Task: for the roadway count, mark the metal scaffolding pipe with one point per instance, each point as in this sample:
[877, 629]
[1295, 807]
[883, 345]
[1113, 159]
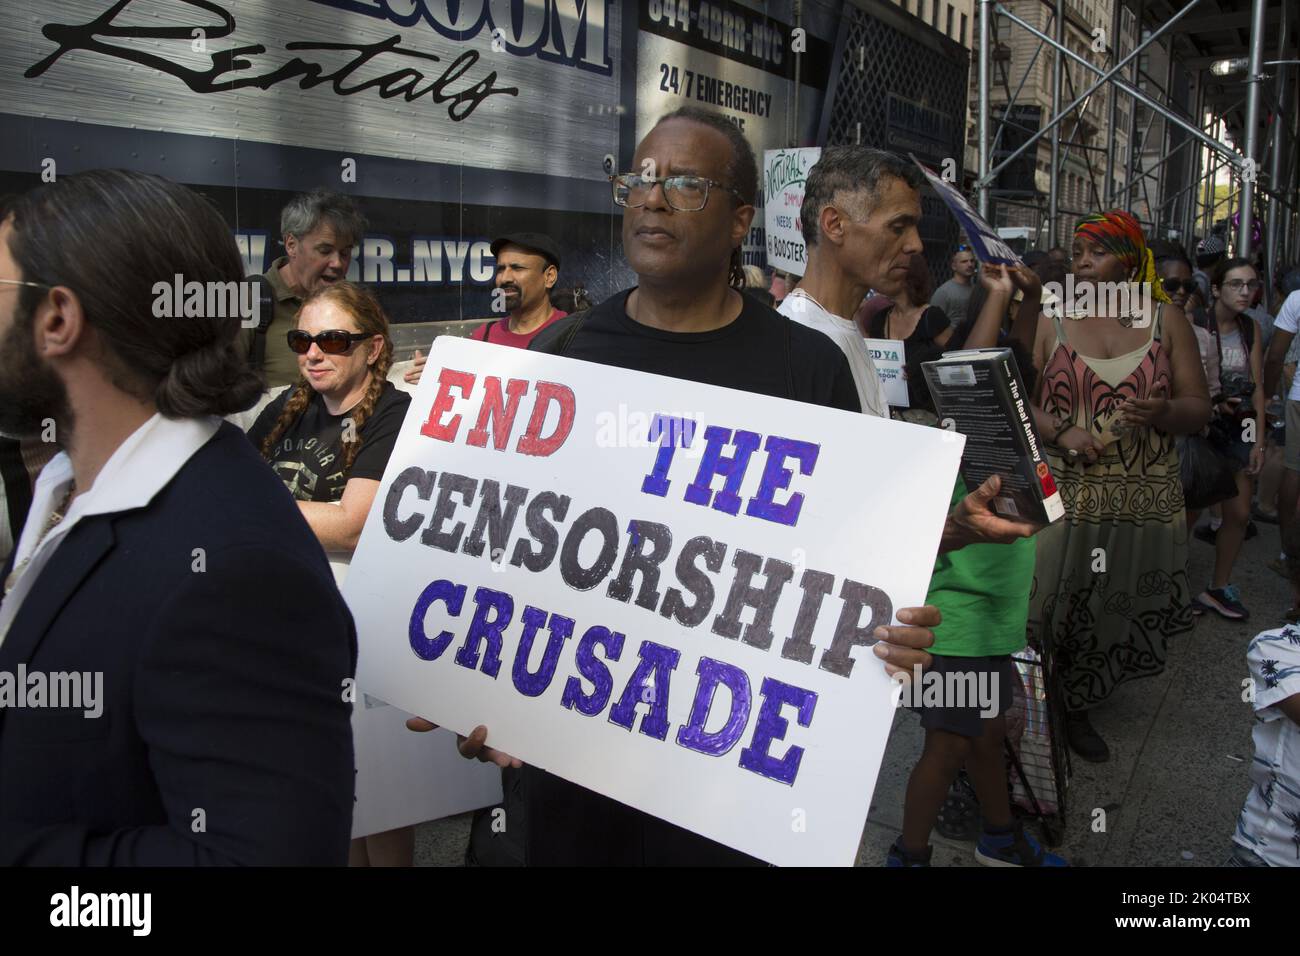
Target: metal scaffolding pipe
[1166, 140]
[1111, 103]
[1131, 168]
[1053, 200]
[1137, 176]
[1292, 163]
[1254, 80]
[1271, 250]
[1189, 217]
[984, 110]
[1109, 76]
[1015, 96]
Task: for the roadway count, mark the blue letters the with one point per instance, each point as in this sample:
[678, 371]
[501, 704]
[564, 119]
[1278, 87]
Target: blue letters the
[777, 477]
[670, 432]
[731, 468]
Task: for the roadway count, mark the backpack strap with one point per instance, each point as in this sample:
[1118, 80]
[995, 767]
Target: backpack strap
[265, 315]
[567, 337]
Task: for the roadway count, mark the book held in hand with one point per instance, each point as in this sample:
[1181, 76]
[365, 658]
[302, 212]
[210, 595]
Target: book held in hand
[979, 393]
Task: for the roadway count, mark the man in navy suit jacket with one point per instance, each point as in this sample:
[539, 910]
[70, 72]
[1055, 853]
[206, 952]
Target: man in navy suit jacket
[175, 660]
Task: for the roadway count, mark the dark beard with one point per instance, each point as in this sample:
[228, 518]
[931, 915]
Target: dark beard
[31, 394]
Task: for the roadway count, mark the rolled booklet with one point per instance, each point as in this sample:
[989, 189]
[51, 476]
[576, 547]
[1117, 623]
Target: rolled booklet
[979, 393]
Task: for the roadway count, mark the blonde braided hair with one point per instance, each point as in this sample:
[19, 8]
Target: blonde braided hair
[360, 303]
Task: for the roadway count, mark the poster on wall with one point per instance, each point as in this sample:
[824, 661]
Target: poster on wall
[784, 173]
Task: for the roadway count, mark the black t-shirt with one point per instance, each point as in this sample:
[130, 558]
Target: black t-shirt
[309, 455]
[761, 351]
[918, 347]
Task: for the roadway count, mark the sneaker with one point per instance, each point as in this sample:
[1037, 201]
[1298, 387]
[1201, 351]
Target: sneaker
[1226, 601]
[1268, 517]
[1198, 608]
[1013, 847]
[1084, 740]
[1205, 533]
[900, 857]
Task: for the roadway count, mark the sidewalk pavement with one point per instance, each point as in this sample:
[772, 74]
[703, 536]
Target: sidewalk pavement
[1180, 749]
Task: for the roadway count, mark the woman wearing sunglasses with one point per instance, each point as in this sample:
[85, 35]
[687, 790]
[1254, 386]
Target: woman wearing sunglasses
[1238, 425]
[329, 437]
[1175, 272]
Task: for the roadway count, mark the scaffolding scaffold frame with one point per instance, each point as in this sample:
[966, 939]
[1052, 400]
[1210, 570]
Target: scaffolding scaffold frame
[1225, 127]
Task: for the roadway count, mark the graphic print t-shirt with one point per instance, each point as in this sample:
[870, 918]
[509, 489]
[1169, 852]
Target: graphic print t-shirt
[309, 455]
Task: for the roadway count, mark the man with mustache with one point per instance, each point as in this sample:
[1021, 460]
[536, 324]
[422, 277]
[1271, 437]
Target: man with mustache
[528, 265]
[319, 230]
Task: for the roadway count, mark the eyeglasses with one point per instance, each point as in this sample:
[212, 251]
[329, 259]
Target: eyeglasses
[684, 193]
[34, 285]
[1236, 285]
[1174, 286]
[331, 342]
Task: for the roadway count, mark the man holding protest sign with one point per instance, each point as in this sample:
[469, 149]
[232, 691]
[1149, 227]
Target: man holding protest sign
[860, 211]
[688, 209]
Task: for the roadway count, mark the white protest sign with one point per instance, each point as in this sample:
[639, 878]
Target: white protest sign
[889, 358]
[784, 174]
[672, 608]
[405, 777]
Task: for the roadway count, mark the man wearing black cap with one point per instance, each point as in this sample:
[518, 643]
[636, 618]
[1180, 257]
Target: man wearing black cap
[528, 264]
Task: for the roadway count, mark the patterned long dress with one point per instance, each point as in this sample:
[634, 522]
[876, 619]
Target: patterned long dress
[1110, 582]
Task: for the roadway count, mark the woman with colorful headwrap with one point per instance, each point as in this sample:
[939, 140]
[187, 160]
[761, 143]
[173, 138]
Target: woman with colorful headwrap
[1110, 582]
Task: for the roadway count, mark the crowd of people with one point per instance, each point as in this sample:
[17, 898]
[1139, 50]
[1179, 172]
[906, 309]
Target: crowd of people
[114, 430]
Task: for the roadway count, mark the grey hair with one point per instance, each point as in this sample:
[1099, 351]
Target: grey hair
[304, 212]
[851, 169]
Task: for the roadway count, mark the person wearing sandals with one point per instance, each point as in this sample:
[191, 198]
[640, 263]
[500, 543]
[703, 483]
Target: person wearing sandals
[1237, 429]
[1110, 584]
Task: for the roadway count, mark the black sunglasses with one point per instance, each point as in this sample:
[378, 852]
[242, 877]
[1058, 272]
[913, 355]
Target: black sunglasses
[331, 342]
[1175, 286]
